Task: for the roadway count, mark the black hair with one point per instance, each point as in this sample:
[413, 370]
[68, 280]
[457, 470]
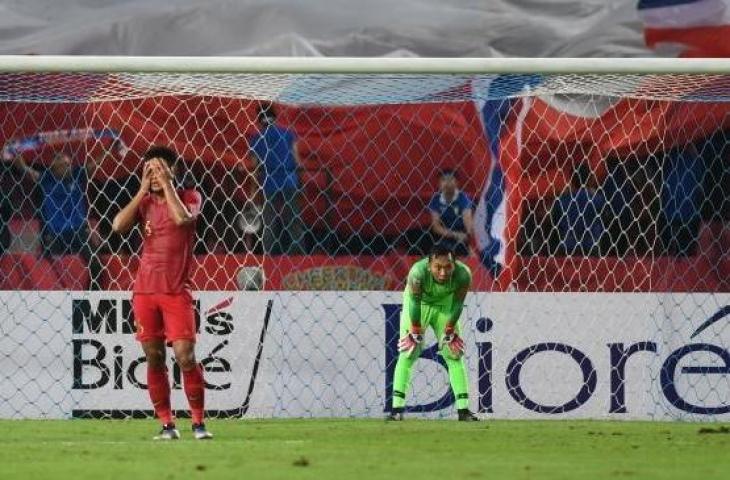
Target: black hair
[266, 113]
[448, 172]
[440, 249]
[61, 154]
[581, 175]
[165, 153]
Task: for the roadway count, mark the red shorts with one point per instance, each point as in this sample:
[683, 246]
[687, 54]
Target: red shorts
[167, 317]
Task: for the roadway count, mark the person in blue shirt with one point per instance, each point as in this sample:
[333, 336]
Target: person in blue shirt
[63, 211]
[8, 181]
[684, 171]
[452, 219]
[275, 149]
[578, 215]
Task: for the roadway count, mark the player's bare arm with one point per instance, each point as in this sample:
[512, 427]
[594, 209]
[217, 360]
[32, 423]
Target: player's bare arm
[127, 216]
[438, 227]
[92, 163]
[297, 155]
[20, 164]
[469, 223]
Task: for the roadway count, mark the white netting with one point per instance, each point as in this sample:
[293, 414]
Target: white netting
[600, 230]
[355, 89]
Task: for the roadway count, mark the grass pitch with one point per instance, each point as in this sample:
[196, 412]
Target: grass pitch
[346, 448]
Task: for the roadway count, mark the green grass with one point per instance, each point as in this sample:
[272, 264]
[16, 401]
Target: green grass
[372, 449]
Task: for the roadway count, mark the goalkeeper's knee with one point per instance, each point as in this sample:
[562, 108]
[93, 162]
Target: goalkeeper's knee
[411, 356]
[448, 355]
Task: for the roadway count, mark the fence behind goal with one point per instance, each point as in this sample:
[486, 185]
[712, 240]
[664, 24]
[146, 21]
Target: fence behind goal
[591, 208]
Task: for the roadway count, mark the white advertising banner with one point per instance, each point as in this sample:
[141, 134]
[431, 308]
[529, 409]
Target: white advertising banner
[530, 355]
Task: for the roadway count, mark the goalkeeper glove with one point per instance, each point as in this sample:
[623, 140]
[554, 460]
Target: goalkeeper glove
[412, 340]
[454, 343]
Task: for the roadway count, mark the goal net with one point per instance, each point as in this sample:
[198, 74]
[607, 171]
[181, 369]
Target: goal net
[592, 208]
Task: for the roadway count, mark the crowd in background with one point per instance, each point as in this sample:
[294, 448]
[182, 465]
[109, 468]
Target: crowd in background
[650, 205]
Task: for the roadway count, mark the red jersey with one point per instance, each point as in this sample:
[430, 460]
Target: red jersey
[167, 251]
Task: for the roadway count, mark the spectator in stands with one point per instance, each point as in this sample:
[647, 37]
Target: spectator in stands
[6, 208]
[716, 204]
[684, 171]
[248, 220]
[452, 220]
[65, 228]
[578, 215]
[231, 221]
[632, 191]
[275, 149]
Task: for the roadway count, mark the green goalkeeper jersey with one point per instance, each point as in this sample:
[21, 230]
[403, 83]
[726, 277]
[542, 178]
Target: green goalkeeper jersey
[434, 293]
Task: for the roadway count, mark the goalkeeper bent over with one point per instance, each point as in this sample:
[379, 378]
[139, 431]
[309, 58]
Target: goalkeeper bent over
[434, 296]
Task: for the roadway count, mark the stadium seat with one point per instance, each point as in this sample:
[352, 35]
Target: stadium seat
[709, 241]
[24, 235]
[208, 272]
[72, 271]
[12, 273]
[41, 273]
[577, 274]
[219, 272]
[690, 274]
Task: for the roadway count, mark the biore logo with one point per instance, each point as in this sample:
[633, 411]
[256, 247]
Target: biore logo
[107, 325]
[669, 369]
[619, 354]
[92, 327]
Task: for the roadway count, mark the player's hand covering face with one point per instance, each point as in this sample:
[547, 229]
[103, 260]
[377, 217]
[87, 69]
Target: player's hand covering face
[164, 172]
[161, 174]
[442, 267]
[155, 185]
[146, 183]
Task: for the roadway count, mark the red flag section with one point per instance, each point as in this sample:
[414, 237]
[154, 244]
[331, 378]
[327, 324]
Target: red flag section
[377, 166]
[691, 28]
[539, 151]
[371, 169]
[553, 142]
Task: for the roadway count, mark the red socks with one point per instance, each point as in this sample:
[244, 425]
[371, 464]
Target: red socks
[194, 387]
[158, 386]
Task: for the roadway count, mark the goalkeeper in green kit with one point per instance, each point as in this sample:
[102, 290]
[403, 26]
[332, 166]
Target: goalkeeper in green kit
[434, 296]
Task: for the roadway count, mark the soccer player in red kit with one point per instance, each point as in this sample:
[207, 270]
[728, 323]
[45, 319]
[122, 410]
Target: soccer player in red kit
[161, 300]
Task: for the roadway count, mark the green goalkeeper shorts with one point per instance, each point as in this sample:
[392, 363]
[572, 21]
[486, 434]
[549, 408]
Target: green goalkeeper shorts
[433, 316]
